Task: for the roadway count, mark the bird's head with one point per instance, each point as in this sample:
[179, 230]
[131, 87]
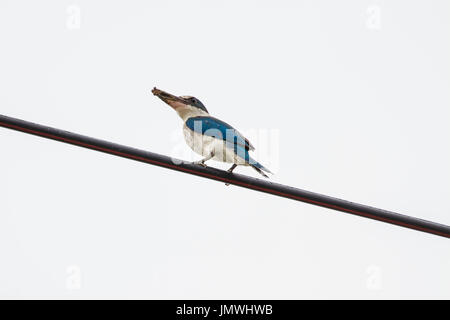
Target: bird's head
[185, 106]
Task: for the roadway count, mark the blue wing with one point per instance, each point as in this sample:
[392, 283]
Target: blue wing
[233, 139]
[243, 153]
[217, 128]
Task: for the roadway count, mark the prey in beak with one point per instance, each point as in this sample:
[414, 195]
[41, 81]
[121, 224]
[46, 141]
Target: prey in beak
[184, 105]
[173, 101]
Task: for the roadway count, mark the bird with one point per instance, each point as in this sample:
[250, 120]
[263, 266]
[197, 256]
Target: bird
[210, 137]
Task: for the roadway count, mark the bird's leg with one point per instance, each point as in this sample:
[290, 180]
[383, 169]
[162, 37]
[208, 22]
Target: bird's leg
[202, 162]
[230, 171]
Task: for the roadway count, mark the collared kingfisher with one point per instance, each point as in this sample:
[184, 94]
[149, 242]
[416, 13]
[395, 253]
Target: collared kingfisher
[210, 137]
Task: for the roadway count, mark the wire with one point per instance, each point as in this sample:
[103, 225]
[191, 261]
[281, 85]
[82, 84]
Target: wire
[223, 176]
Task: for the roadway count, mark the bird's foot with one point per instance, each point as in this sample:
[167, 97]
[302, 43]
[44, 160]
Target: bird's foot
[201, 163]
[230, 171]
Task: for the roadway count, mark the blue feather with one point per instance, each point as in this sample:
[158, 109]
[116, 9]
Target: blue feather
[214, 127]
[244, 154]
[219, 129]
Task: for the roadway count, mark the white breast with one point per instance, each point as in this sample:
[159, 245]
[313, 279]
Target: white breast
[204, 145]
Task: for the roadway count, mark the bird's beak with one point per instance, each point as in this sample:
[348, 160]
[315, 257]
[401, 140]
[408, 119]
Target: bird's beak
[173, 101]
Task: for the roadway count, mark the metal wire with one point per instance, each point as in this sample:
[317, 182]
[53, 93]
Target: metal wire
[223, 176]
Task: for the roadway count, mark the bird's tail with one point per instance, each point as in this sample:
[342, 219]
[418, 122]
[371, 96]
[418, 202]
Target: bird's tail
[260, 168]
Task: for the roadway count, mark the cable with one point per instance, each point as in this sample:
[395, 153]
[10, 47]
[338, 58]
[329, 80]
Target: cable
[223, 176]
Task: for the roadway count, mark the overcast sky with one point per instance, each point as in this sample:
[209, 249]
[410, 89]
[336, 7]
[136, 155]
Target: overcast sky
[345, 98]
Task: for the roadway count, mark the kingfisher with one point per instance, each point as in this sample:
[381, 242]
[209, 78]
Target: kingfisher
[210, 137]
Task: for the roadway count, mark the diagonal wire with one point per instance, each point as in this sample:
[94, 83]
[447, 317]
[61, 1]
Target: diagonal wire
[223, 176]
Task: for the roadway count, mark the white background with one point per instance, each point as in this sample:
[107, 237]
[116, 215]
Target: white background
[358, 92]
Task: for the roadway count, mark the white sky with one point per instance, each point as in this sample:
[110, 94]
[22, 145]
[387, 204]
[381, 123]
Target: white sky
[356, 91]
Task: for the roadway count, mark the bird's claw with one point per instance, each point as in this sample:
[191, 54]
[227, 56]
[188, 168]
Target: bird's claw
[200, 163]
